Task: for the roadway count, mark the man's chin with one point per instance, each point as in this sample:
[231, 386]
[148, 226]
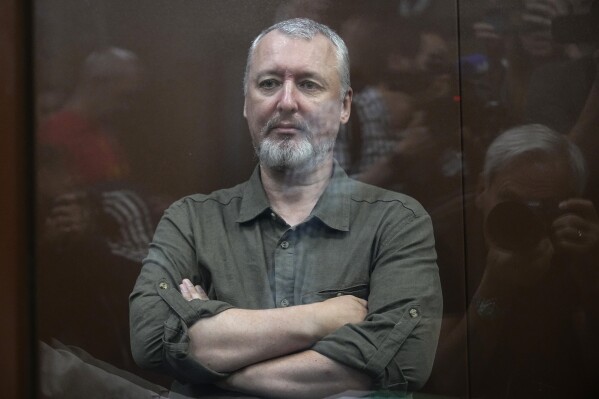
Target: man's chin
[291, 155]
[287, 165]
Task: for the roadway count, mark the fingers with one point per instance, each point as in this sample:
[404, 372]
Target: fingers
[70, 213]
[542, 12]
[577, 237]
[190, 292]
[70, 197]
[67, 219]
[580, 206]
[486, 31]
[362, 302]
[577, 230]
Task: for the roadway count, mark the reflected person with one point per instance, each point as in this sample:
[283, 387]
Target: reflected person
[533, 319]
[94, 226]
[83, 172]
[401, 135]
[299, 282]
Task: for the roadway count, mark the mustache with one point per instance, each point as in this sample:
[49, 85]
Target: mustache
[277, 120]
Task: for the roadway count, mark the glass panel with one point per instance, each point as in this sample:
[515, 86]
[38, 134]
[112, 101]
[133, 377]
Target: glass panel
[139, 103]
[529, 104]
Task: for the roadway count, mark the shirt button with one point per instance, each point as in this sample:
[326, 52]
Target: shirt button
[285, 245]
[284, 303]
[273, 216]
[413, 313]
[163, 285]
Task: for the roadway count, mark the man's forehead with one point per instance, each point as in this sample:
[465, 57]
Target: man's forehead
[533, 177]
[278, 46]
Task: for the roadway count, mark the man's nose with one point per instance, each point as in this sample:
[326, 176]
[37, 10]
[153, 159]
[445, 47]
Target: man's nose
[288, 98]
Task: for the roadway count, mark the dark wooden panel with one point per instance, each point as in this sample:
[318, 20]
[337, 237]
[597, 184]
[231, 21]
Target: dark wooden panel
[14, 294]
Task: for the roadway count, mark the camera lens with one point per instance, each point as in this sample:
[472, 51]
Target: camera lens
[513, 226]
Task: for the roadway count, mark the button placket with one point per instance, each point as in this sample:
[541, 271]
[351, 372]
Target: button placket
[285, 269]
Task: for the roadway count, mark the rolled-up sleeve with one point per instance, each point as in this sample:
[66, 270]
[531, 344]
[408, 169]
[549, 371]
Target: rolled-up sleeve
[159, 316]
[397, 341]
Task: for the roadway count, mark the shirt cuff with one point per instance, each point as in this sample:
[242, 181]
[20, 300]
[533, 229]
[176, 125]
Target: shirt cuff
[176, 339]
[371, 347]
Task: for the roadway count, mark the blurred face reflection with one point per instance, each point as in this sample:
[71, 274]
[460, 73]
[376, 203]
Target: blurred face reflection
[433, 53]
[526, 180]
[293, 105]
[117, 95]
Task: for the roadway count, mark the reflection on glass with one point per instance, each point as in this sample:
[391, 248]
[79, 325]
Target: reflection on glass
[139, 103]
[530, 295]
[94, 227]
[531, 219]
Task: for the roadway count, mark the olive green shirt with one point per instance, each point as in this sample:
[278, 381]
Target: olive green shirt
[358, 240]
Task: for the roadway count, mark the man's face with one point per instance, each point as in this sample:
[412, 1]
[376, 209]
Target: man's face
[293, 105]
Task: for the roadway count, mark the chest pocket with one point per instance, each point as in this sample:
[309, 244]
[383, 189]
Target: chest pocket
[359, 290]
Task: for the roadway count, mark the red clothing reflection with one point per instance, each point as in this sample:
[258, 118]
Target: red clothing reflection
[89, 151]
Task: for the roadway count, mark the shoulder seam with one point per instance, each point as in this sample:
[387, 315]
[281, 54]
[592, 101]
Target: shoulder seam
[207, 198]
[388, 201]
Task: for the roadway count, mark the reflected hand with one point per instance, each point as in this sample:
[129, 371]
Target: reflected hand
[70, 215]
[536, 37]
[541, 12]
[486, 31]
[577, 230]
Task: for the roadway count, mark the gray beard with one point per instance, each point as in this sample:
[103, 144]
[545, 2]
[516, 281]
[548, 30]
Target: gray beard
[286, 154]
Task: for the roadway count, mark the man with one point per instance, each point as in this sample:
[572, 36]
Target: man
[263, 288]
[533, 318]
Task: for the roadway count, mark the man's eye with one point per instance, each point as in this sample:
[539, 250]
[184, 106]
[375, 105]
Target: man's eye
[309, 85]
[268, 84]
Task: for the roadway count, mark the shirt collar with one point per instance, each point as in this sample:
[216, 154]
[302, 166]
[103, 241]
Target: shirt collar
[332, 208]
[254, 201]
[333, 205]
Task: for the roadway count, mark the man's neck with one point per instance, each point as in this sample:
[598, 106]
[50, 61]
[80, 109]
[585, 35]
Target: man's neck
[292, 194]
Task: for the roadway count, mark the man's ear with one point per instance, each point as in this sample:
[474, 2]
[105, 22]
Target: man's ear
[346, 106]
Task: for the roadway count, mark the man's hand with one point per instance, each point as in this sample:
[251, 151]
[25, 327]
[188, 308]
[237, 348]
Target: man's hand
[189, 291]
[336, 312]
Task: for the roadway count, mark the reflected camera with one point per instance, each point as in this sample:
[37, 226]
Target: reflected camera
[520, 226]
